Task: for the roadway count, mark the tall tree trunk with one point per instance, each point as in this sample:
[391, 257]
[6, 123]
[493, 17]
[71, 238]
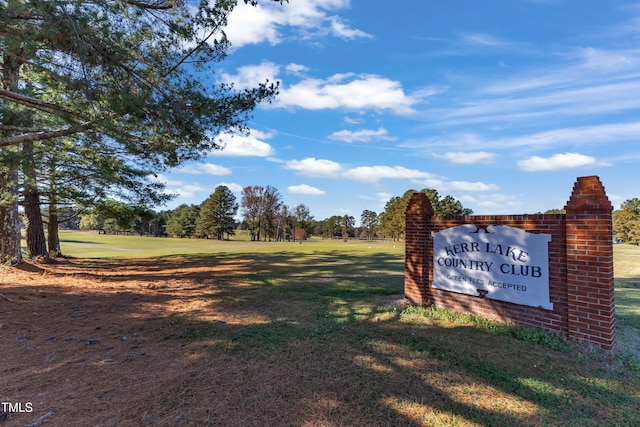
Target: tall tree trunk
[9, 164]
[53, 239]
[36, 243]
[9, 218]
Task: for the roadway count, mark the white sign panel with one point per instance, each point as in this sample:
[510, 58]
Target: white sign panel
[501, 262]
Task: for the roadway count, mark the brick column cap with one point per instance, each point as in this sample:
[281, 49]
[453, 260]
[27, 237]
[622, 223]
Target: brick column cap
[588, 196]
[419, 205]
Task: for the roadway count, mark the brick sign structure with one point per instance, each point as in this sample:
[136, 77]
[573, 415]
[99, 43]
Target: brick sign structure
[552, 271]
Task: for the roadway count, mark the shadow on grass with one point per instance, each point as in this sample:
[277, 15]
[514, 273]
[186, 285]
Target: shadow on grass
[81, 242]
[289, 339]
[379, 368]
[331, 264]
[628, 320]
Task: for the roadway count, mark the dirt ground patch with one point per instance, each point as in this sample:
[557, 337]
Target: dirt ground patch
[87, 341]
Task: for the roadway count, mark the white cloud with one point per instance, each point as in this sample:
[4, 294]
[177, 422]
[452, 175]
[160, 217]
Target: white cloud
[468, 157]
[189, 190]
[305, 189]
[166, 180]
[252, 25]
[181, 188]
[315, 167]
[354, 121]
[296, 69]
[211, 169]
[350, 91]
[245, 145]
[235, 188]
[343, 90]
[249, 76]
[300, 18]
[383, 198]
[204, 169]
[362, 135]
[372, 174]
[556, 162]
[340, 29]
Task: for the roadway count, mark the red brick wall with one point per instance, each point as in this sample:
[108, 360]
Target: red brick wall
[580, 265]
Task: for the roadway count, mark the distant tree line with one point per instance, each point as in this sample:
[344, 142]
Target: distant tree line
[266, 217]
[626, 222]
[263, 214]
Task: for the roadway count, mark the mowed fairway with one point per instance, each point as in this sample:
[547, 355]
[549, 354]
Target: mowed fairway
[168, 332]
[627, 274]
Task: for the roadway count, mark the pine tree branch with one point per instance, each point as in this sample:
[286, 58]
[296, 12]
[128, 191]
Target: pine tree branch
[38, 104]
[158, 5]
[8, 128]
[40, 136]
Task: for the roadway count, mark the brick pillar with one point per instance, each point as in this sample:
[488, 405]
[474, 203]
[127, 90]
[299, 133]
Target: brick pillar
[590, 288]
[418, 250]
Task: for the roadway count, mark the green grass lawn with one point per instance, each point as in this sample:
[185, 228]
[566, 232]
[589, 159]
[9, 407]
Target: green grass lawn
[627, 283]
[92, 245]
[322, 330]
[80, 244]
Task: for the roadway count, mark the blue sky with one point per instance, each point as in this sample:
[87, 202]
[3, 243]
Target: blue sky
[501, 104]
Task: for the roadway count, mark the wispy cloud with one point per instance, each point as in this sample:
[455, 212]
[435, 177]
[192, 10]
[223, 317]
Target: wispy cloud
[296, 69]
[372, 174]
[496, 202]
[203, 169]
[354, 120]
[468, 157]
[460, 186]
[468, 186]
[554, 103]
[603, 61]
[362, 135]
[341, 30]
[583, 82]
[485, 40]
[613, 132]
